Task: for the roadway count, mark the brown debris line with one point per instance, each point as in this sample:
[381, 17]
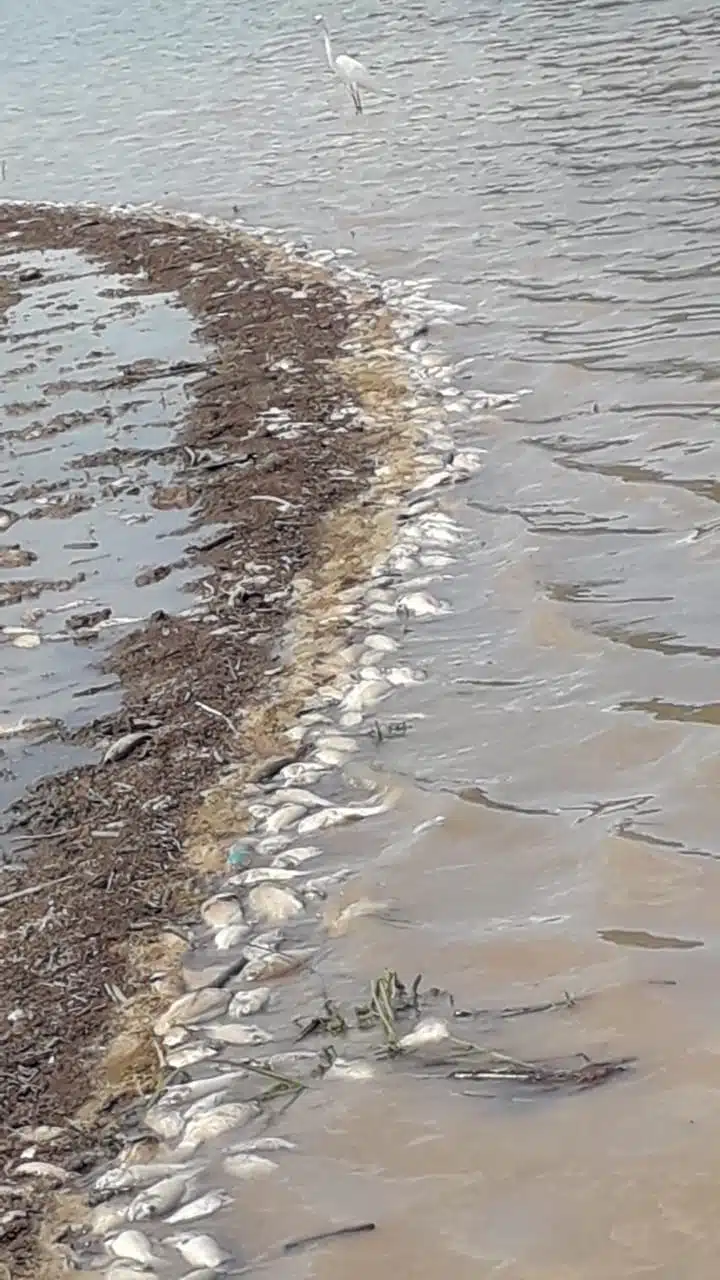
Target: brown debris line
[106, 840]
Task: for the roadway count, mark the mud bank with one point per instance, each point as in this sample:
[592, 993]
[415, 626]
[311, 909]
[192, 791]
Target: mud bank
[275, 465]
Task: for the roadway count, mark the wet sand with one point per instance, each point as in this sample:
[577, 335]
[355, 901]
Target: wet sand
[115, 853]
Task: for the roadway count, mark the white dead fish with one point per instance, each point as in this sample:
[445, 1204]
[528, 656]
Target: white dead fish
[175, 1036]
[220, 910]
[339, 814]
[50, 1173]
[421, 605]
[405, 676]
[435, 560]
[246, 1003]
[330, 757]
[26, 640]
[159, 1199]
[130, 1177]
[229, 1115]
[301, 1064]
[247, 1166]
[339, 742]
[302, 774]
[276, 964]
[133, 1245]
[230, 936]
[256, 875]
[271, 904]
[294, 858]
[199, 1250]
[195, 1006]
[318, 887]
[300, 796]
[344, 1069]
[263, 1144]
[272, 844]
[203, 1207]
[467, 461]
[337, 925]
[428, 1031]
[180, 1095]
[236, 1033]
[270, 940]
[164, 1121]
[106, 1218]
[364, 695]
[189, 1055]
[380, 643]
[42, 1133]
[286, 816]
[126, 1270]
[201, 1106]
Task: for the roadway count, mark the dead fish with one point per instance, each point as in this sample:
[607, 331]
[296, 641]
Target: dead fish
[339, 924]
[203, 1207]
[380, 643]
[344, 1069]
[229, 936]
[305, 774]
[237, 1033]
[405, 676]
[270, 940]
[256, 875]
[318, 887]
[122, 747]
[364, 695]
[428, 1031]
[272, 844]
[271, 904]
[421, 605]
[202, 1105]
[246, 1003]
[263, 1144]
[159, 1199]
[330, 757]
[180, 1095]
[337, 815]
[175, 1036]
[286, 816]
[199, 1250]
[42, 1133]
[221, 910]
[51, 1173]
[229, 1115]
[247, 1166]
[164, 1121]
[298, 1063]
[127, 1271]
[293, 858]
[106, 1218]
[133, 1245]
[133, 1176]
[195, 1006]
[436, 560]
[277, 964]
[299, 796]
[189, 1055]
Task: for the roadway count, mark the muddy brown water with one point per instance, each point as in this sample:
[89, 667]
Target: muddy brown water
[554, 167]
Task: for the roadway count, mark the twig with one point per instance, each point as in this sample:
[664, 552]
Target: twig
[220, 714]
[34, 888]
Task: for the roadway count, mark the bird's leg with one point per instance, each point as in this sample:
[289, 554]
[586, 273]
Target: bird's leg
[358, 101]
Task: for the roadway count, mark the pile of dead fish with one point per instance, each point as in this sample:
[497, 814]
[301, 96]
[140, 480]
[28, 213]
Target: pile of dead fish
[229, 1070]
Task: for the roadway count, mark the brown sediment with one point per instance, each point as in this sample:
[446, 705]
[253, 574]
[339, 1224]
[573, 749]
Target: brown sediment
[117, 852]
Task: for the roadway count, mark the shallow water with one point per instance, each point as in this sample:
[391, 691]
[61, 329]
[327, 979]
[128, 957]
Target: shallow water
[554, 167]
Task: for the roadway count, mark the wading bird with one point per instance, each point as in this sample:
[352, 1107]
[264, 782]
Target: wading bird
[349, 70]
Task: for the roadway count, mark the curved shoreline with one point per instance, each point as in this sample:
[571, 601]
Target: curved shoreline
[335, 536]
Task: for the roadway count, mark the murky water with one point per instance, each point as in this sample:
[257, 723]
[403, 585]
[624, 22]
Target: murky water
[555, 167]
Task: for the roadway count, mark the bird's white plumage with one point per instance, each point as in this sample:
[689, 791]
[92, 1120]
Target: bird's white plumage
[353, 73]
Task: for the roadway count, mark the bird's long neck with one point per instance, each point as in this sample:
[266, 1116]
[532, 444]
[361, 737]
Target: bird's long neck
[328, 47]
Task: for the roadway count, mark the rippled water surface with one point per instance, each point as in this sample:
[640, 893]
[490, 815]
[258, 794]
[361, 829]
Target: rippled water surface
[555, 167]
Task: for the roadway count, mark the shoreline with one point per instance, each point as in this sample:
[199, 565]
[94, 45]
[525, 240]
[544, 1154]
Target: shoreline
[123, 847]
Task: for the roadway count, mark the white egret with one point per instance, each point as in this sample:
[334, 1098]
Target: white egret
[352, 73]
